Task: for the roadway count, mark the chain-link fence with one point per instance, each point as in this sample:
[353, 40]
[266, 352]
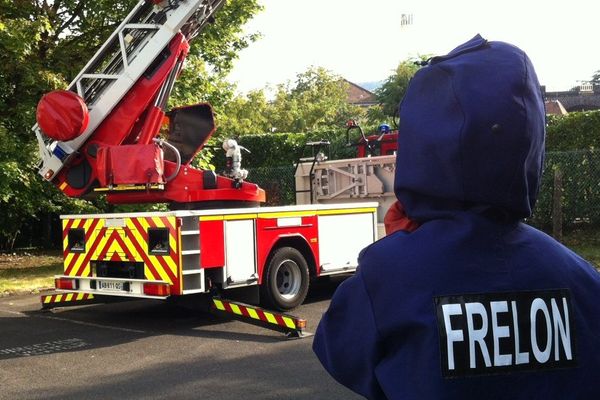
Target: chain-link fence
[579, 202]
[278, 182]
[579, 199]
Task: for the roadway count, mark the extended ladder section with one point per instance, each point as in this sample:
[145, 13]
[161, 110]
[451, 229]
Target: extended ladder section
[135, 48]
[348, 181]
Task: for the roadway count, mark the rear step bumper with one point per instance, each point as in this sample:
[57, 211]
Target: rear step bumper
[133, 288]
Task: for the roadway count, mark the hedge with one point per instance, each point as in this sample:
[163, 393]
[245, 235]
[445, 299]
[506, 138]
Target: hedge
[283, 149]
[575, 131]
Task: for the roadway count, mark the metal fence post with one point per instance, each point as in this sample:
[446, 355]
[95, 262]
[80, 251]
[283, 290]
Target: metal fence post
[557, 213]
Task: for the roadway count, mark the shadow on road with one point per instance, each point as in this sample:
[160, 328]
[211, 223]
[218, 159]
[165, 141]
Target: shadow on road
[100, 325]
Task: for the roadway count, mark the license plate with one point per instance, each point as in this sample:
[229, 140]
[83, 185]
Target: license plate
[110, 285]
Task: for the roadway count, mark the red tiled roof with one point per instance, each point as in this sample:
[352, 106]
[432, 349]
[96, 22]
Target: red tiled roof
[359, 95]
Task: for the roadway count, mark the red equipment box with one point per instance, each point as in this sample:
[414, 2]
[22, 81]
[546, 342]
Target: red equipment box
[130, 165]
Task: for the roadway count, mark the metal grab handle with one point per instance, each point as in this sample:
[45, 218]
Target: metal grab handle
[162, 142]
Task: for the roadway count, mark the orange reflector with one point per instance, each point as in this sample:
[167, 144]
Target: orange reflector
[65, 284]
[157, 289]
[300, 323]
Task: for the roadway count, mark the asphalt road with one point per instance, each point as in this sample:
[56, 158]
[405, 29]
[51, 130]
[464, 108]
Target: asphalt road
[155, 350]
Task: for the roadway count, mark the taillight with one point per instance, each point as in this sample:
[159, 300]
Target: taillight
[65, 284]
[157, 289]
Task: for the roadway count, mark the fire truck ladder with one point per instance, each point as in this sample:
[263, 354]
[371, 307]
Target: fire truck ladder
[133, 49]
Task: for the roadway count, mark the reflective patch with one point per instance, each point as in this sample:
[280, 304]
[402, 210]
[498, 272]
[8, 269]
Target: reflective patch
[495, 333]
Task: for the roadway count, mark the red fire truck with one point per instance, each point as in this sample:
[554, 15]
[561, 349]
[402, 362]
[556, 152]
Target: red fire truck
[103, 136]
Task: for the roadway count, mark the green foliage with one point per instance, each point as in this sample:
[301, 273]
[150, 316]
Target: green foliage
[283, 149]
[575, 131]
[271, 163]
[392, 91]
[211, 57]
[317, 99]
[43, 45]
[246, 115]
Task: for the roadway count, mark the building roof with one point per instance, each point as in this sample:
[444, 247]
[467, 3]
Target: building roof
[360, 96]
[555, 107]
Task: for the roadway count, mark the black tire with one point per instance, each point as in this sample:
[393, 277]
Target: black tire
[285, 280]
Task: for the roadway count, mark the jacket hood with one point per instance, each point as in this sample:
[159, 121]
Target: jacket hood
[472, 127]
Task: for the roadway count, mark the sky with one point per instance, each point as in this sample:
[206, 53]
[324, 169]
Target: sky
[363, 41]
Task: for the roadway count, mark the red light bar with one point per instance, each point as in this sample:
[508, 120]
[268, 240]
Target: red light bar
[65, 284]
[157, 289]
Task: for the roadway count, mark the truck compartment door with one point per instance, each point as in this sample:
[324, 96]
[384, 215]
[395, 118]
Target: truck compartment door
[342, 237]
[240, 253]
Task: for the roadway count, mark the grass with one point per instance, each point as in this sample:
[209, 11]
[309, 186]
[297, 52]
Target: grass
[26, 272]
[585, 241]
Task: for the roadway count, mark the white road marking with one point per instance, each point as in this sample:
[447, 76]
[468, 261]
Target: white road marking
[45, 348]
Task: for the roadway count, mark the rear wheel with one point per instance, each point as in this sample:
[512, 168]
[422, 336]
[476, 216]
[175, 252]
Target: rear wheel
[285, 283]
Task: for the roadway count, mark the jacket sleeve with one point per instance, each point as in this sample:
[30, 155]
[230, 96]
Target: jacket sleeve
[347, 341]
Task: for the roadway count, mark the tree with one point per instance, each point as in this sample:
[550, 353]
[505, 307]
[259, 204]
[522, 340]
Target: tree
[43, 45]
[246, 115]
[317, 99]
[392, 91]
[596, 78]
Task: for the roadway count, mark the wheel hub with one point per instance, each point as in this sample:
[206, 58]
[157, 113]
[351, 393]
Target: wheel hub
[288, 279]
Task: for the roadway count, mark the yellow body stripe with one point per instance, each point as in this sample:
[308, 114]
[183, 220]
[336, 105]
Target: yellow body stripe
[114, 248]
[144, 223]
[271, 318]
[69, 297]
[219, 304]
[273, 215]
[86, 271]
[239, 216]
[253, 313]
[102, 243]
[47, 299]
[159, 268]
[211, 218]
[153, 260]
[171, 264]
[235, 308]
[137, 236]
[347, 211]
[158, 222]
[289, 322]
[287, 214]
[68, 259]
[79, 262]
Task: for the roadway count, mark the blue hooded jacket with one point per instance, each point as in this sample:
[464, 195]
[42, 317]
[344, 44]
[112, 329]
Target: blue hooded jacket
[474, 303]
